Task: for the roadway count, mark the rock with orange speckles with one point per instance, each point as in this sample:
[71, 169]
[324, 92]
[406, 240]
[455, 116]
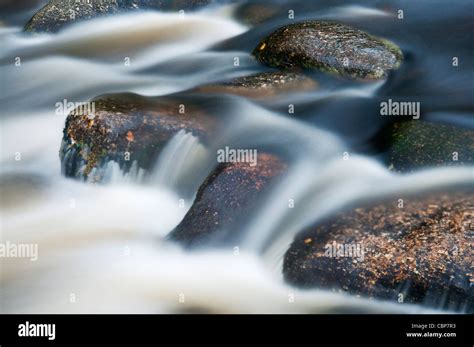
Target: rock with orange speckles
[331, 47]
[264, 85]
[421, 253]
[225, 199]
[125, 128]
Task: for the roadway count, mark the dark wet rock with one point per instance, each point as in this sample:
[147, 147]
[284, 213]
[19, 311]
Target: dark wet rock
[126, 128]
[418, 144]
[225, 199]
[331, 47]
[57, 14]
[421, 253]
[262, 85]
[7, 6]
[253, 13]
[176, 5]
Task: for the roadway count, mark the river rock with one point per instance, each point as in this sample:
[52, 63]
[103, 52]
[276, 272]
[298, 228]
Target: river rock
[331, 47]
[421, 253]
[7, 6]
[227, 196]
[419, 144]
[253, 13]
[262, 85]
[126, 128]
[57, 14]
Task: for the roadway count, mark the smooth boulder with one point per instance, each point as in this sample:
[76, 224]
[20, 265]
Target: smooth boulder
[57, 14]
[331, 47]
[418, 252]
[225, 200]
[262, 85]
[419, 144]
[126, 128]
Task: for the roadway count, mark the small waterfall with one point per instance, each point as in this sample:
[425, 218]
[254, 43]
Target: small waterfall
[175, 163]
[113, 174]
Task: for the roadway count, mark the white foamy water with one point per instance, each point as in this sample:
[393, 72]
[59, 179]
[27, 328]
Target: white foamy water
[103, 55]
[177, 159]
[101, 247]
[162, 35]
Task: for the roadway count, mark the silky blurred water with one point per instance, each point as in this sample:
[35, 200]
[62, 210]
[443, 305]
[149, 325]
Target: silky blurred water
[104, 245]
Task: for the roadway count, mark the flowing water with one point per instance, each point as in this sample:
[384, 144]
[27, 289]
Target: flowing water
[102, 248]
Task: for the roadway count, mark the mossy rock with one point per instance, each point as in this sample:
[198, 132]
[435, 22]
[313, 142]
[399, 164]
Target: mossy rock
[329, 46]
[419, 144]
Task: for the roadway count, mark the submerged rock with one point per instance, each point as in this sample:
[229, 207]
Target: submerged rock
[7, 6]
[125, 128]
[228, 195]
[421, 252]
[418, 144]
[331, 47]
[57, 14]
[262, 85]
[177, 5]
[253, 13]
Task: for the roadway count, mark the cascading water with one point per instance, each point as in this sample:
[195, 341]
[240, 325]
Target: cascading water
[177, 160]
[105, 244]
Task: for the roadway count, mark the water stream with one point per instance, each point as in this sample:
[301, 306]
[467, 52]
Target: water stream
[105, 244]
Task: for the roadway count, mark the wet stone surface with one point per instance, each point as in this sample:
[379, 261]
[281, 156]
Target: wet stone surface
[263, 85]
[226, 199]
[329, 46]
[420, 253]
[126, 128]
[57, 14]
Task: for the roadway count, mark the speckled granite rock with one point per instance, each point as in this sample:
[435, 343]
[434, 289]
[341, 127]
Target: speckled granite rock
[57, 14]
[225, 199]
[263, 85]
[331, 47]
[418, 144]
[419, 253]
[126, 128]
